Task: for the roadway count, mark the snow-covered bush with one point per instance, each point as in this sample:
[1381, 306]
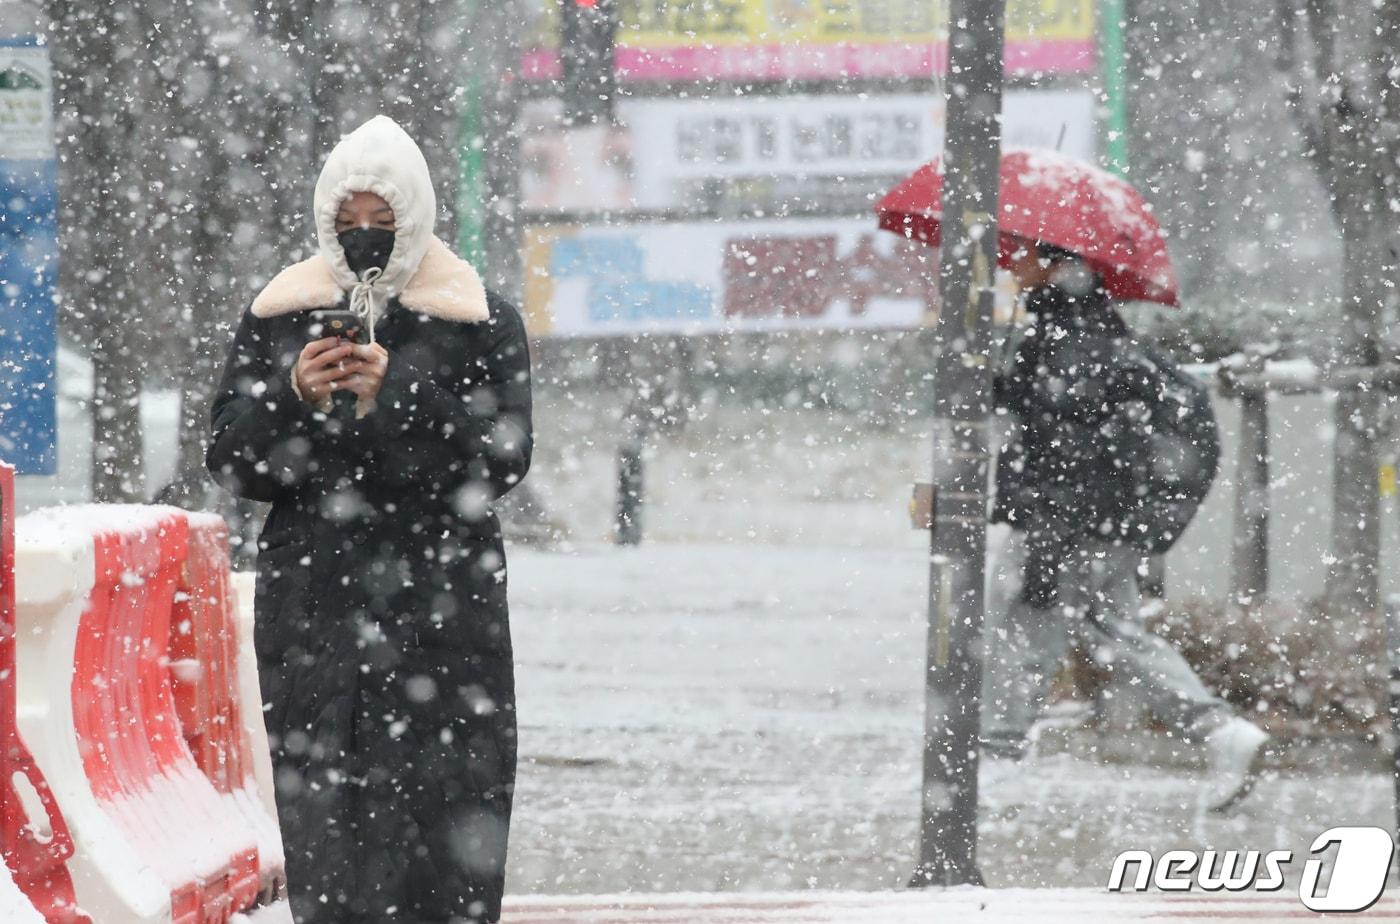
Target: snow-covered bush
[1296, 669]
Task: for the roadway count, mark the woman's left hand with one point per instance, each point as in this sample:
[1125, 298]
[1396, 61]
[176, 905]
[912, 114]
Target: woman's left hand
[364, 370]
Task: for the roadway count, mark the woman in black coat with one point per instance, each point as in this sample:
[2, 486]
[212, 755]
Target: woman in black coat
[382, 632]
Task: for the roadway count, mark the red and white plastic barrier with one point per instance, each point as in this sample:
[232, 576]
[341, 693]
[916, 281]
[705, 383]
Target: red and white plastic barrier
[55, 574]
[129, 669]
[207, 647]
[34, 882]
[254, 731]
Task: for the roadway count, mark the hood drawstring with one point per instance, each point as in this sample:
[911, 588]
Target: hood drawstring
[362, 299]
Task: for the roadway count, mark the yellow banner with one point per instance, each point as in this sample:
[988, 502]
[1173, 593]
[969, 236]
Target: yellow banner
[663, 24]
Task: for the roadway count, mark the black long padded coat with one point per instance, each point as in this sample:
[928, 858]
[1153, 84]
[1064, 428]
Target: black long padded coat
[1068, 472]
[1115, 442]
[382, 631]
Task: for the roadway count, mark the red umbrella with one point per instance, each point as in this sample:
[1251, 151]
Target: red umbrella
[1055, 199]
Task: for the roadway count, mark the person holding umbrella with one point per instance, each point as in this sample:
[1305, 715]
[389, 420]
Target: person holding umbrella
[1073, 484]
[1111, 451]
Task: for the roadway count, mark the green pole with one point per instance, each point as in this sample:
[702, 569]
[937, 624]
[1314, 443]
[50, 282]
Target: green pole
[471, 145]
[1115, 89]
[471, 192]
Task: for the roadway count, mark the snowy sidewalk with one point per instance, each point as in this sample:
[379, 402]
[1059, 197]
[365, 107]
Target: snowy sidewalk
[732, 734]
[1044, 906]
[745, 719]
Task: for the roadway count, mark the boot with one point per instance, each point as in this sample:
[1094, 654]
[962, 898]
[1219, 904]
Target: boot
[1237, 750]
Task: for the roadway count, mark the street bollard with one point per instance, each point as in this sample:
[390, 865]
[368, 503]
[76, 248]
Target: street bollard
[629, 492]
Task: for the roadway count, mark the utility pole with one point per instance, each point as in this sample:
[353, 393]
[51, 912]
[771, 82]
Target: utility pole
[587, 53]
[587, 41]
[963, 403]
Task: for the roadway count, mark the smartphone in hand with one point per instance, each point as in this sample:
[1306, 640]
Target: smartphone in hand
[337, 322]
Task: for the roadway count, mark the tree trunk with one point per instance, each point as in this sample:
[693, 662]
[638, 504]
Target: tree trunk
[103, 228]
[118, 469]
[196, 396]
[1352, 580]
[1353, 575]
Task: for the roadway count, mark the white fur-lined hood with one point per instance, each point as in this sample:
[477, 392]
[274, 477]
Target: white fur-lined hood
[424, 274]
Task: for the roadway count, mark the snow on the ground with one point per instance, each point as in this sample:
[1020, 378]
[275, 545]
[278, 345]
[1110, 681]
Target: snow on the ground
[1001, 906]
[747, 720]
[279, 913]
[753, 474]
[726, 717]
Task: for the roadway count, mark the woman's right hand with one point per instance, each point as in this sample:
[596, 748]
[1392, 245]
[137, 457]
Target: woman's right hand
[320, 368]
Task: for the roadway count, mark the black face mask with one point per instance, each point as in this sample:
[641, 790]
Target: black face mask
[366, 248]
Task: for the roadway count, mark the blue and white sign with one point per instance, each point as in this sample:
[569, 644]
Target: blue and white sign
[28, 258]
[708, 277]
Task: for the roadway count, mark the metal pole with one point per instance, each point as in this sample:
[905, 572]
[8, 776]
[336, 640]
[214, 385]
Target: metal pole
[1392, 625]
[1250, 552]
[471, 148]
[496, 37]
[587, 53]
[1115, 91]
[587, 46]
[629, 488]
[642, 383]
[967, 261]
[1247, 380]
